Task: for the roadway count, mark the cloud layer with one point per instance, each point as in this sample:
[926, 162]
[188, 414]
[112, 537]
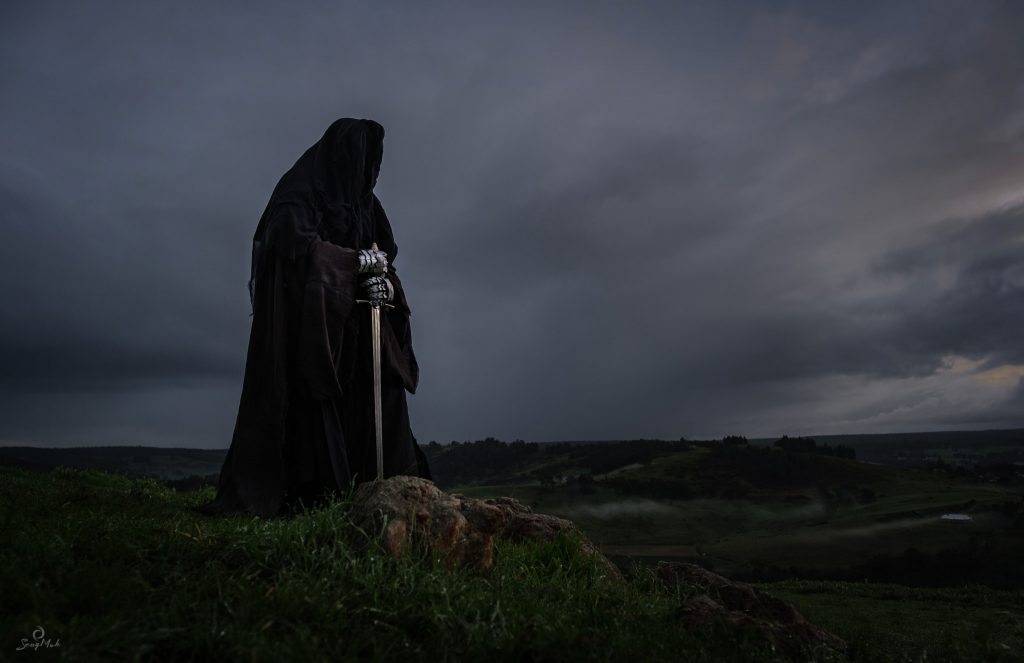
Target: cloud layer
[614, 221]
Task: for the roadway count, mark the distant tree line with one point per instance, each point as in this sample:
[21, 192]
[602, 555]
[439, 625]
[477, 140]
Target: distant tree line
[491, 460]
[468, 461]
[735, 471]
[807, 445]
[732, 470]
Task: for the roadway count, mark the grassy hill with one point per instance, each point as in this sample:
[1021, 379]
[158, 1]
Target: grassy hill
[753, 512]
[165, 463]
[762, 513]
[124, 569]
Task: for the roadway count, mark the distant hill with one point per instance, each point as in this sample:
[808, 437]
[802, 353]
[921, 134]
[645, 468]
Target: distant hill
[179, 465]
[801, 508]
[114, 568]
[493, 462]
[797, 509]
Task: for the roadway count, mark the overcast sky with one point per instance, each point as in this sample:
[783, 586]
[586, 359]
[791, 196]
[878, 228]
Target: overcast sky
[615, 219]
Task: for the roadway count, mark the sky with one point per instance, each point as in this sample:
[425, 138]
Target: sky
[615, 220]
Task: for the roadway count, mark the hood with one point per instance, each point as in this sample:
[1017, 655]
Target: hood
[347, 159]
[328, 193]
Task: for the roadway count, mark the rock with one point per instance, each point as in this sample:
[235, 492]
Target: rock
[713, 599]
[405, 512]
[522, 524]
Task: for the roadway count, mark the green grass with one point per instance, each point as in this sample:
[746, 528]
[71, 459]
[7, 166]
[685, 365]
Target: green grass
[895, 623]
[739, 536]
[124, 570]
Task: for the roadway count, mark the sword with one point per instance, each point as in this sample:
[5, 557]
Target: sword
[378, 421]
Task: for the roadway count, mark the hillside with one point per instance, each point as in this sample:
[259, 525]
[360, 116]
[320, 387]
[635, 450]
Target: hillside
[179, 467]
[762, 513]
[751, 511]
[124, 569]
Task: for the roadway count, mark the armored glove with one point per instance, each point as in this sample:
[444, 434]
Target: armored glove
[372, 261]
[378, 290]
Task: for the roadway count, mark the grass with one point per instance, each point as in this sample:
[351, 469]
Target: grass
[123, 569]
[896, 623]
[739, 536]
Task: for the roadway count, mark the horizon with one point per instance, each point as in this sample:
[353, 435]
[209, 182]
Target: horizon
[769, 438]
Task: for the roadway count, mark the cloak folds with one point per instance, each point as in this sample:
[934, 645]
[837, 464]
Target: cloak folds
[305, 421]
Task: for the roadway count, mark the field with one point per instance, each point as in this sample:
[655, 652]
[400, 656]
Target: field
[834, 518]
[751, 512]
[886, 621]
[169, 464]
[124, 569]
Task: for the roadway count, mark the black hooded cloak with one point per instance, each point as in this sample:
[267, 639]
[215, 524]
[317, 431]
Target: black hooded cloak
[305, 421]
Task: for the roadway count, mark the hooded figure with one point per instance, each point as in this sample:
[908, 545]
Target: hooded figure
[305, 421]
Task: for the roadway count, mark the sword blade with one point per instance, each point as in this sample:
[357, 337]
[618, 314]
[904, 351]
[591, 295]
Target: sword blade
[377, 415]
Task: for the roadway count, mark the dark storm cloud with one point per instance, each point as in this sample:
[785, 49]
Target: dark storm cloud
[958, 291]
[967, 284]
[754, 278]
[656, 219]
[99, 310]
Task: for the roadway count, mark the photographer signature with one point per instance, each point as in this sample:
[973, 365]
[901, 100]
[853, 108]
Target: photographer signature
[39, 640]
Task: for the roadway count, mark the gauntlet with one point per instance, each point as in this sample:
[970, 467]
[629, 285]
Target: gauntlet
[372, 261]
[378, 290]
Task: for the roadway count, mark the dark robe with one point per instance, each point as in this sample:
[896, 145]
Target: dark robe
[305, 422]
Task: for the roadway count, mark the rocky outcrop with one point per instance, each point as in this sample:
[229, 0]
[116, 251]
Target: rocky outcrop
[520, 523]
[709, 600]
[404, 513]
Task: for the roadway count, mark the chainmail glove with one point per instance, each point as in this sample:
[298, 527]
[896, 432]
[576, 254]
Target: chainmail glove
[378, 290]
[372, 261]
